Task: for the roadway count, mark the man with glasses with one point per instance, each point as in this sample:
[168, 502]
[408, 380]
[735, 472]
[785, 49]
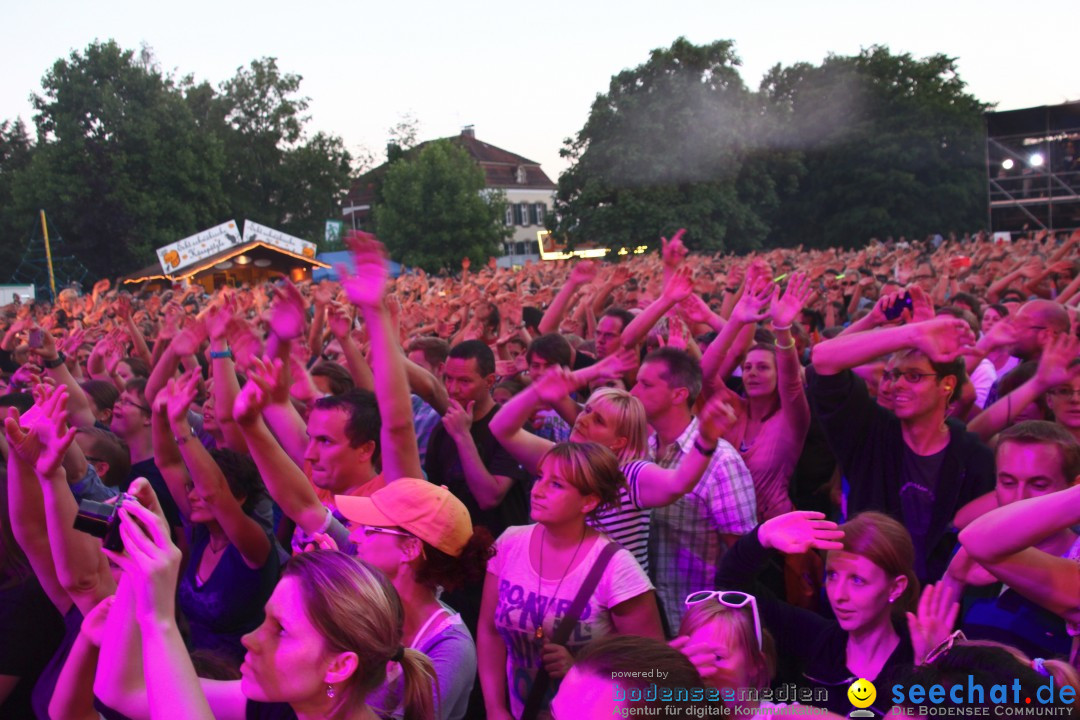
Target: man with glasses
[905, 462]
[131, 423]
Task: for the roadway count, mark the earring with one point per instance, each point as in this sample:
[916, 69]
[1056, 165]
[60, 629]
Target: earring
[330, 688]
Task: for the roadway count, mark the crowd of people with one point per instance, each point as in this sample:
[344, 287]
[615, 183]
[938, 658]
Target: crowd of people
[562, 490]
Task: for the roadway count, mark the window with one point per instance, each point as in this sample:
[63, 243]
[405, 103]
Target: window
[539, 210]
[509, 219]
[523, 213]
[519, 249]
[521, 175]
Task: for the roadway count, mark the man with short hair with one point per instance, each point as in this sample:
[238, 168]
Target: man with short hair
[905, 462]
[609, 330]
[688, 538]
[463, 454]
[1034, 458]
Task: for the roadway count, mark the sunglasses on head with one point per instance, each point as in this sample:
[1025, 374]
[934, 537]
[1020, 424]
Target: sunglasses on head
[732, 599]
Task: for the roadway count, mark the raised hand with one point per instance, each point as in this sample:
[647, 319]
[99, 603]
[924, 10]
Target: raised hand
[716, 419]
[785, 308]
[701, 655]
[150, 559]
[255, 395]
[680, 285]
[190, 339]
[287, 316]
[673, 251]
[217, 319]
[943, 339]
[751, 307]
[47, 437]
[555, 384]
[179, 394]
[695, 310]
[1054, 363]
[796, 532]
[935, 620]
[922, 308]
[584, 272]
[368, 286]
[339, 320]
[458, 420]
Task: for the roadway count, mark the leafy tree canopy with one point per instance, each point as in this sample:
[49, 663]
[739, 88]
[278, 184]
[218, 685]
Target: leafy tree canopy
[436, 211]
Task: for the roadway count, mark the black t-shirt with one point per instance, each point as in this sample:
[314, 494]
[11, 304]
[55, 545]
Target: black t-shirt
[149, 470]
[269, 711]
[919, 476]
[32, 629]
[443, 467]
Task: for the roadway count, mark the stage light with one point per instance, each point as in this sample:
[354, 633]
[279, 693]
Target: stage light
[243, 260]
[1036, 160]
[1007, 164]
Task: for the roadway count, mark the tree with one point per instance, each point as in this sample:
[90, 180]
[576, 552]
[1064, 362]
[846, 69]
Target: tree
[676, 142]
[891, 145]
[15, 154]
[119, 163]
[276, 175]
[435, 210]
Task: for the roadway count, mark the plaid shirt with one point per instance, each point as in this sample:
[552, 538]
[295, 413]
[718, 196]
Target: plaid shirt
[685, 546]
[424, 421]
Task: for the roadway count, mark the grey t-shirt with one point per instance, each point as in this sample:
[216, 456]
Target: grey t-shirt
[453, 653]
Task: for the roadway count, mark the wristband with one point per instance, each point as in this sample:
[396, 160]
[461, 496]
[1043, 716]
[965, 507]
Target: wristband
[56, 362]
[222, 354]
[730, 290]
[181, 439]
[707, 452]
[781, 327]
[786, 347]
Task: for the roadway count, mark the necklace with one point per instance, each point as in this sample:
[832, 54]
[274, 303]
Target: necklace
[540, 580]
[743, 444]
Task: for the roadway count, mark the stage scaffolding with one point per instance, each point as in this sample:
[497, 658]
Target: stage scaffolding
[1033, 168]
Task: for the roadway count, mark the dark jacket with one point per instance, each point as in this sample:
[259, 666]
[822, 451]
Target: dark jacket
[869, 445]
[816, 645]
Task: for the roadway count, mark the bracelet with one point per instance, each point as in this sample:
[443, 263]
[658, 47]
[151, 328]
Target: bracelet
[181, 439]
[707, 452]
[221, 355]
[727, 289]
[56, 362]
[781, 327]
[786, 347]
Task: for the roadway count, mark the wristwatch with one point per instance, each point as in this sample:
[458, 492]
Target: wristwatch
[56, 362]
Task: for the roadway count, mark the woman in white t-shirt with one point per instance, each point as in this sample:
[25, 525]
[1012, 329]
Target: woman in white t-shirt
[536, 574]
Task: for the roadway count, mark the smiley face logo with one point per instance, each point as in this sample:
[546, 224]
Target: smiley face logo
[862, 693]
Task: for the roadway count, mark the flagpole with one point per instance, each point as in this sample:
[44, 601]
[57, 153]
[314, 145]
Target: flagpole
[48, 255]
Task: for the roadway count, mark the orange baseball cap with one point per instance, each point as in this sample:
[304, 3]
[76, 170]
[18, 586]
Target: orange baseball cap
[428, 511]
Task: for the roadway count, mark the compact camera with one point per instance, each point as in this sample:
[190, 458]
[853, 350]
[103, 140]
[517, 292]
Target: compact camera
[101, 520]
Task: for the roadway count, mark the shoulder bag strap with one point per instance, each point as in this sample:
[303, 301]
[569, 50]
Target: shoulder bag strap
[567, 625]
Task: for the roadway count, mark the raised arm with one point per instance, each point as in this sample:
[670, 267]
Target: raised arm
[341, 323]
[284, 479]
[941, 339]
[582, 274]
[1053, 370]
[784, 311]
[400, 454]
[1003, 541]
[678, 287]
[242, 530]
[751, 308]
[80, 567]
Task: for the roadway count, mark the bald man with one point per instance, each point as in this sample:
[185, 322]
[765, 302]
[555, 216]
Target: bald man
[1037, 322]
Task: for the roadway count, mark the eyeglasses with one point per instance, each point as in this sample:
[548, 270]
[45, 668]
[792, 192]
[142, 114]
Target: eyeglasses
[732, 599]
[944, 647]
[913, 377]
[1066, 393]
[128, 401]
[370, 530]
